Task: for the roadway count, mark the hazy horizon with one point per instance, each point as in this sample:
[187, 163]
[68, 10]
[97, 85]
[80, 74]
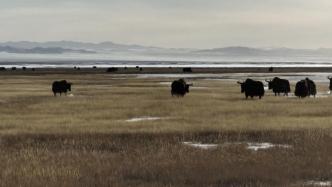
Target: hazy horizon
[303, 24]
[230, 46]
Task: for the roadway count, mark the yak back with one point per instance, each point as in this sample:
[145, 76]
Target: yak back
[279, 85]
[312, 87]
[180, 87]
[253, 88]
[61, 86]
[305, 88]
[301, 89]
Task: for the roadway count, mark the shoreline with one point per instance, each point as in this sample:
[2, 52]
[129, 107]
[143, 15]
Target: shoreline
[161, 70]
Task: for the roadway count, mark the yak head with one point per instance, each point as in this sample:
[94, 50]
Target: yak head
[270, 83]
[330, 78]
[242, 86]
[69, 86]
[187, 87]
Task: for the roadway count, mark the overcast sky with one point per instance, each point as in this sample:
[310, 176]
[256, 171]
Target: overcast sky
[171, 23]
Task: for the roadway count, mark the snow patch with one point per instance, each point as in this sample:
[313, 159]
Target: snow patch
[249, 145]
[201, 145]
[264, 146]
[165, 83]
[199, 88]
[322, 95]
[318, 183]
[144, 118]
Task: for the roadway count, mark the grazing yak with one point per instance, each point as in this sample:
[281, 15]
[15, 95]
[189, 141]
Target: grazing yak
[180, 88]
[278, 86]
[271, 69]
[330, 78]
[111, 70]
[252, 88]
[61, 87]
[187, 70]
[305, 88]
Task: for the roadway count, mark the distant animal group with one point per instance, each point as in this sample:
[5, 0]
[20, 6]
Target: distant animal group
[251, 88]
[303, 88]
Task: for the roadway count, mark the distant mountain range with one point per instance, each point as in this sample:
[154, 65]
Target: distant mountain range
[77, 46]
[41, 50]
[247, 51]
[60, 47]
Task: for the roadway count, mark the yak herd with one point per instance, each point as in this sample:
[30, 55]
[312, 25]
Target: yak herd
[303, 88]
[251, 88]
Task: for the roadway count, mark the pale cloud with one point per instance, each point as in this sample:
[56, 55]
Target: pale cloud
[171, 23]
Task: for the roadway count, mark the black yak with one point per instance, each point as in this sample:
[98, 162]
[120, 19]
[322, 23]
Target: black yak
[330, 78]
[252, 88]
[278, 86]
[110, 70]
[180, 87]
[271, 69]
[61, 87]
[305, 88]
[187, 70]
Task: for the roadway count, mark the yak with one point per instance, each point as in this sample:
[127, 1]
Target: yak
[61, 87]
[187, 70]
[180, 88]
[271, 69]
[330, 78]
[252, 88]
[305, 88]
[111, 70]
[278, 86]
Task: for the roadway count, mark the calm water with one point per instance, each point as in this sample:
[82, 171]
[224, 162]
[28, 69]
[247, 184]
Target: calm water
[116, 59]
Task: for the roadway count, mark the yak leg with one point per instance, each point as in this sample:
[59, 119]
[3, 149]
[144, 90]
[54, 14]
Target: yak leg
[260, 97]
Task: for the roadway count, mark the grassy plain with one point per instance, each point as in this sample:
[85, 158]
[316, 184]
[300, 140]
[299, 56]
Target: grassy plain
[85, 140]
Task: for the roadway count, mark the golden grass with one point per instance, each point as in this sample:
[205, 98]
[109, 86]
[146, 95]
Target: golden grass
[85, 140]
[102, 104]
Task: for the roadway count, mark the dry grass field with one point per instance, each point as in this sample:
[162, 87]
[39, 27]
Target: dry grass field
[84, 139]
